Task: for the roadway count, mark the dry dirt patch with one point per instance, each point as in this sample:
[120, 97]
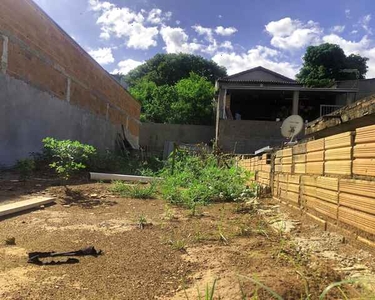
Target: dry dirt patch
[169, 259]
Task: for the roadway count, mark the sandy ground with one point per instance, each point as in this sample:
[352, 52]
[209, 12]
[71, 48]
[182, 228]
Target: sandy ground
[175, 255]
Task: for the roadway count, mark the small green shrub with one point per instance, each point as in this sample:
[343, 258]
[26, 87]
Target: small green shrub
[203, 178]
[68, 157]
[138, 191]
[25, 167]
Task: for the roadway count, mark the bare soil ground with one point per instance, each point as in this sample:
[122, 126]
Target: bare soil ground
[172, 257]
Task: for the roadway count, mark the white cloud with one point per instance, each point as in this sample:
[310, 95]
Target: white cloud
[178, 22]
[347, 13]
[176, 40]
[126, 23]
[338, 28]
[291, 34]
[349, 47]
[97, 5]
[364, 22]
[127, 65]
[220, 30]
[354, 32]
[219, 16]
[205, 31]
[103, 56]
[258, 56]
[156, 16]
[226, 45]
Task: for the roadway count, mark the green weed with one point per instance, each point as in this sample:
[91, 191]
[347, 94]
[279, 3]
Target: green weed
[142, 221]
[198, 179]
[138, 191]
[25, 167]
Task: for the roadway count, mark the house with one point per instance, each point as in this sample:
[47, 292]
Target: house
[251, 106]
[50, 86]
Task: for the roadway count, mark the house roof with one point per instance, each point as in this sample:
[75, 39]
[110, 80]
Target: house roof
[258, 75]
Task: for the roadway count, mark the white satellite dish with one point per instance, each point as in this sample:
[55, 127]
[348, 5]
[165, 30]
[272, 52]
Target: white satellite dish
[292, 126]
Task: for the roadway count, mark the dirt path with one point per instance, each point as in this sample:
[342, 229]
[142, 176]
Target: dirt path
[169, 259]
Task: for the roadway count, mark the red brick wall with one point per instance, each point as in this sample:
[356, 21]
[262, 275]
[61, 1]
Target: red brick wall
[40, 53]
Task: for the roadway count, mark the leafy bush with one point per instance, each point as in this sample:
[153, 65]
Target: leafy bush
[110, 161]
[138, 191]
[25, 167]
[67, 156]
[203, 178]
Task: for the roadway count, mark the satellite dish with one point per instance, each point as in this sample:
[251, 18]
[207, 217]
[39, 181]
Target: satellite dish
[292, 126]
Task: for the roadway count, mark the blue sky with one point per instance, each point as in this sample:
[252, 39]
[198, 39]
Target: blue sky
[239, 34]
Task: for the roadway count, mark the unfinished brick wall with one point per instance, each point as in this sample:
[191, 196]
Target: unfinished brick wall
[332, 178]
[38, 52]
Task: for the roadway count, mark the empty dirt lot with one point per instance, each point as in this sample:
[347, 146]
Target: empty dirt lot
[173, 256]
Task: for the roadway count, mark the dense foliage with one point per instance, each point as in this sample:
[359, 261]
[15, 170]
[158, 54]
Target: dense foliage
[168, 69]
[326, 63]
[189, 101]
[203, 178]
[68, 157]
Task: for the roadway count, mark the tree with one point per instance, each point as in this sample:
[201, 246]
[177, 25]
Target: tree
[189, 101]
[170, 68]
[326, 63]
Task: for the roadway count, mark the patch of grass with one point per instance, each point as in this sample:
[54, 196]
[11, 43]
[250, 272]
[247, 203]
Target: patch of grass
[179, 245]
[138, 191]
[142, 221]
[168, 213]
[198, 179]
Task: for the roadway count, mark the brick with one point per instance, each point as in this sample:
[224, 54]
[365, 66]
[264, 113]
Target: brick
[362, 203]
[365, 135]
[133, 127]
[315, 156]
[360, 220]
[83, 98]
[299, 158]
[364, 150]
[365, 167]
[308, 180]
[329, 183]
[299, 149]
[338, 154]
[315, 168]
[287, 152]
[295, 179]
[327, 195]
[25, 66]
[323, 207]
[339, 140]
[358, 187]
[338, 167]
[316, 145]
[293, 187]
[300, 168]
[308, 190]
[286, 160]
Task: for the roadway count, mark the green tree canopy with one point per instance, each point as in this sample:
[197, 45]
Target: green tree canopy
[170, 68]
[189, 101]
[326, 63]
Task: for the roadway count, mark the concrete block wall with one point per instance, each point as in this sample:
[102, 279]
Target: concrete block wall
[34, 50]
[332, 178]
[154, 135]
[247, 136]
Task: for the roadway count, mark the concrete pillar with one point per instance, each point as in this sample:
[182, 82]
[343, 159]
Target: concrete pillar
[295, 102]
[4, 57]
[219, 110]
